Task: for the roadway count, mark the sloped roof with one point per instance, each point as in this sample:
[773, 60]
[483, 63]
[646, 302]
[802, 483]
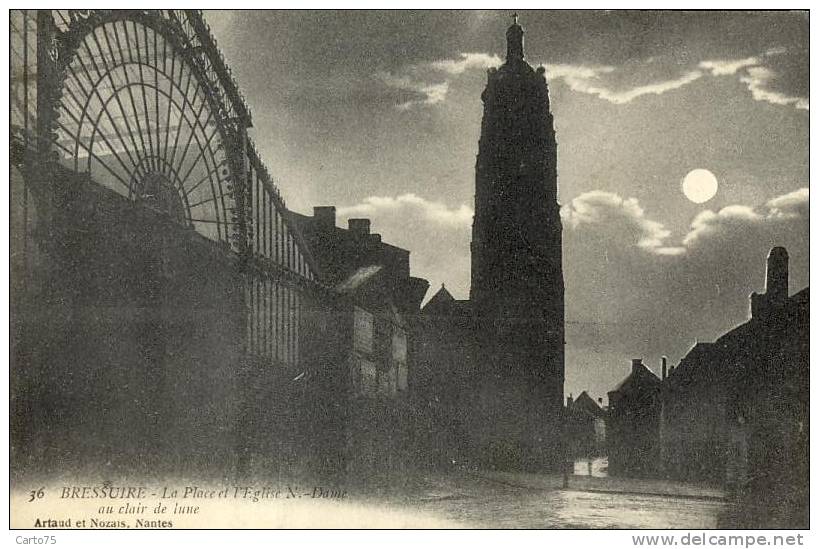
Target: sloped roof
[585, 403]
[802, 297]
[731, 353]
[639, 378]
[441, 296]
[697, 360]
[444, 304]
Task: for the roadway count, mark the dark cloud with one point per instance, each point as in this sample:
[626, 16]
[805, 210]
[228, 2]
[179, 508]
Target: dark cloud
[624, 299]
[351, 106]
[599, 211]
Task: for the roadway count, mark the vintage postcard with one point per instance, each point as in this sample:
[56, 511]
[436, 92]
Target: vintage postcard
[409, 269]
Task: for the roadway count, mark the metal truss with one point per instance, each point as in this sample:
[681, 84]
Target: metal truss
[143, 103]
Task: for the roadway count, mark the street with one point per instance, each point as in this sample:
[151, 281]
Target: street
[472, 500]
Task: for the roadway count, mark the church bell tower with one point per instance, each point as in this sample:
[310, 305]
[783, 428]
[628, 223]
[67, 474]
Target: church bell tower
[517, 274]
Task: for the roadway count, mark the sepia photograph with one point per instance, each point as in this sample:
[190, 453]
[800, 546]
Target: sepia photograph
[410, 269]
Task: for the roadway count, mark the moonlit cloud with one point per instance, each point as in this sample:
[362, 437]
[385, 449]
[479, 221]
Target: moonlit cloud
[429, 93]
[431, 79]
[791, 205]
[758, 80]
[619, 216]
[757, 77]
[721, 67]
[626, 96]
[576, 73]
[431, 210]
[611, 214]
[467, 61]
[779, 50]
[434, 94]
[590, 80]
[737, 220]
[419, 78]
[708, 223]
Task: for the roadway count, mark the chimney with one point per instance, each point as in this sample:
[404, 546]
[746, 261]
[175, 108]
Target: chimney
[776, 285]
[635, 364]
[600, 401]
[569, 401]
[359, 227]
[776, 279]
[665, 367]
[325, 217]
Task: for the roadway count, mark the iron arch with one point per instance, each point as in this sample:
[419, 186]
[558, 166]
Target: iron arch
[137, 113]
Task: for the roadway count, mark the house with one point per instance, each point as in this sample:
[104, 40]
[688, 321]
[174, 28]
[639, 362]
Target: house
[377, 301]
[634, 423]
[736, 411]
[585, 426]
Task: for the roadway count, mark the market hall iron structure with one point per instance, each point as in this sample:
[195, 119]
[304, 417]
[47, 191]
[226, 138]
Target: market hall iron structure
[165, 313]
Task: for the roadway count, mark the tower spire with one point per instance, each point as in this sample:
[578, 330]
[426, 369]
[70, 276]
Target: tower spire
[514, 40]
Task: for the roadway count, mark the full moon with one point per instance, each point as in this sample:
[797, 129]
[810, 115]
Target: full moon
[699, 186]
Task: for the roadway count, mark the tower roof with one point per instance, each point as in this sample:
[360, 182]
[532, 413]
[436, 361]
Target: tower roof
[442, 296]
[640, 379]
[514, 41]
[444, 304]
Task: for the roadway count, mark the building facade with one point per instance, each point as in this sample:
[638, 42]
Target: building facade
[443, 380]
[585, 427]
[375, 344]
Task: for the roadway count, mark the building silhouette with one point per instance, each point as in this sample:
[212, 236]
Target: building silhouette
[366, 404]
[634, 423]
[736, 411]
[585, 428]
[516, 305]
[517, 274]
[168, 315]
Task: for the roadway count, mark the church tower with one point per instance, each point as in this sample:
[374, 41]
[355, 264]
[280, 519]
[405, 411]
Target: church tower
[517, 274]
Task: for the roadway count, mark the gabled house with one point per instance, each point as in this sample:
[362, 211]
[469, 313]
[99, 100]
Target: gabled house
[634, 423]
[585, 426]
[736, 411]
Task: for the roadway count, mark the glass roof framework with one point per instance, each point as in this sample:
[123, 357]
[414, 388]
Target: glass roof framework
[148, 109]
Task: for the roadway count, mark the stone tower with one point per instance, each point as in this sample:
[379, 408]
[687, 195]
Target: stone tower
[517, 274]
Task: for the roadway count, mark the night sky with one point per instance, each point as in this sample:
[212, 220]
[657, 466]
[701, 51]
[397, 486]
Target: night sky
[379, 114]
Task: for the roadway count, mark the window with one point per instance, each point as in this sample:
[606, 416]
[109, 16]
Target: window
[362, 331]
[368, 377]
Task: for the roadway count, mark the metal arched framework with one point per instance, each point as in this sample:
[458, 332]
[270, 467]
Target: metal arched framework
[137, 113]
[142, 102]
